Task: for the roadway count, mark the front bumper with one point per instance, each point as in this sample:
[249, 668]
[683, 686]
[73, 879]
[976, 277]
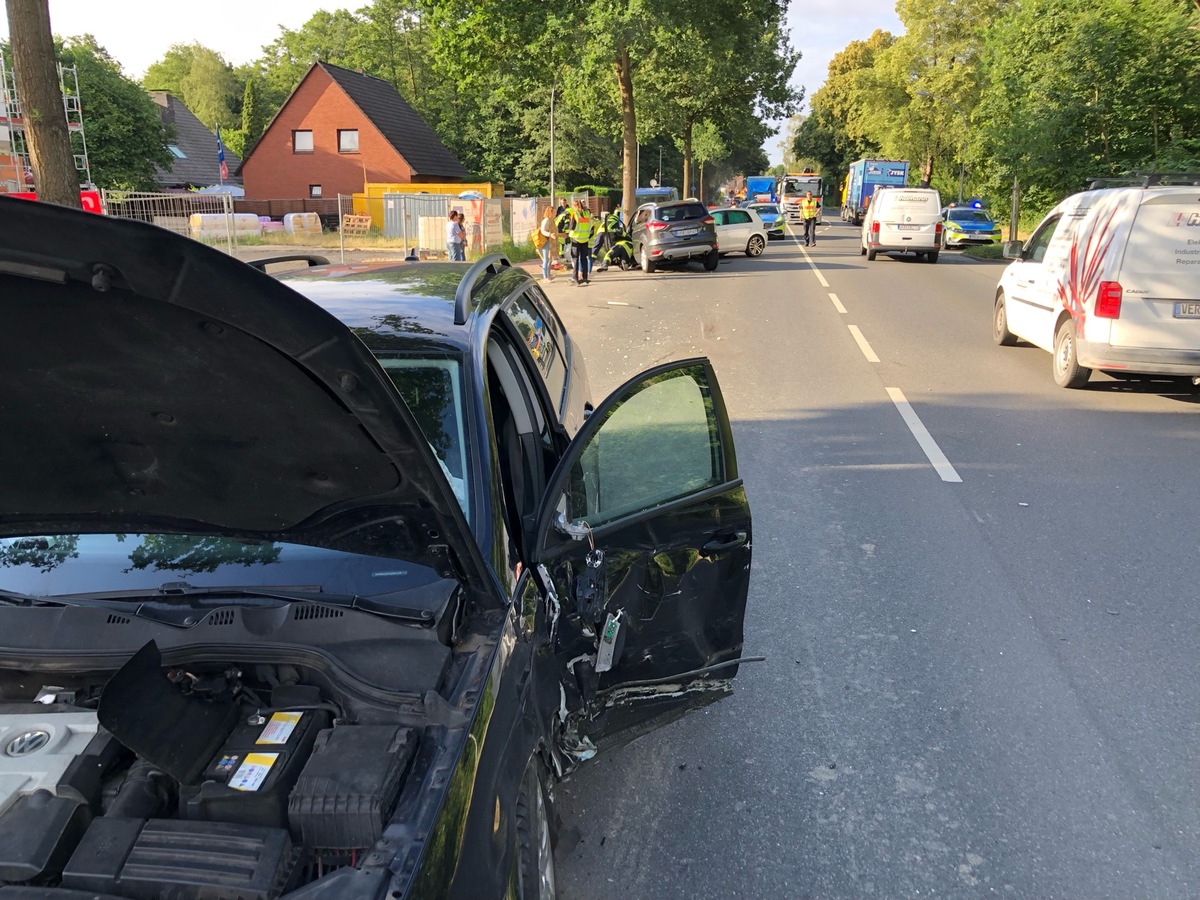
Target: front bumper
[961, 239]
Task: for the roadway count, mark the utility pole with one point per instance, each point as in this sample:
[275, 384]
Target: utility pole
[41, 95]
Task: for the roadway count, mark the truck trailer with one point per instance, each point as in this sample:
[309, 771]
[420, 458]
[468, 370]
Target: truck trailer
[864, 176]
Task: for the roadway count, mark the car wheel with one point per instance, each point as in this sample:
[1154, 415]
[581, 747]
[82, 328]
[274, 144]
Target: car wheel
[1068, 372]
[931, 257]
[871, 255]
[644, 258]
[756, 245]
[711, 260]
[1000, 333]
[535, 844]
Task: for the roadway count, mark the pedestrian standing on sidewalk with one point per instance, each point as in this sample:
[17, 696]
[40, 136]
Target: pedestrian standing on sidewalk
[808, 214]
[456, 238]
[549, 242]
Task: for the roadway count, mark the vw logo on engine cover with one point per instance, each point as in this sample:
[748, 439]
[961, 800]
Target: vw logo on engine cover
[27, 743]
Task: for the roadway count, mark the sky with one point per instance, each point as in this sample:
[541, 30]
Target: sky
[136, 33]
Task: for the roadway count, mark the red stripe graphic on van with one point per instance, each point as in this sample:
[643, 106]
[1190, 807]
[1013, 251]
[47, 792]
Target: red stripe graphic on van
[1085, 264]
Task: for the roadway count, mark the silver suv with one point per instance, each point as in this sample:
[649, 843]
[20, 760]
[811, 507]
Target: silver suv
[665, 233]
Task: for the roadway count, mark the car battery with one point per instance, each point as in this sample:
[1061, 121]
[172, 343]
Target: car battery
[249, 779]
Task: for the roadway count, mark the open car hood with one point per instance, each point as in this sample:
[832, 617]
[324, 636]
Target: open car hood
[153, 384]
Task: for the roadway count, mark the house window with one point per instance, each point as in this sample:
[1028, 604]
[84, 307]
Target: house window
[176, 152]
[347, 140]
[314, 190]
[302, 142]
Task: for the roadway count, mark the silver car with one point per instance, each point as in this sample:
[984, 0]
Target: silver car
[665, 233]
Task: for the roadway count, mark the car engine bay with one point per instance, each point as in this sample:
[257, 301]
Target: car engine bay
[217, 780]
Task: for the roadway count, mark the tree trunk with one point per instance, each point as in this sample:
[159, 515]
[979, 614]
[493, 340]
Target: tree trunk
[927, 171]
[629, 132]
[50, 154]
[687, 159]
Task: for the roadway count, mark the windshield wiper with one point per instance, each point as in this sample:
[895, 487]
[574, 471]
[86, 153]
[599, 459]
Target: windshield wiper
[175, 601]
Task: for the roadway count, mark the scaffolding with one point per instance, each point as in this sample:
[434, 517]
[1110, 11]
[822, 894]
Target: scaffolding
[16, 172]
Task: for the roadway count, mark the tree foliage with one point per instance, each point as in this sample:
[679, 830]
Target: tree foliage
[126, 139]
[203, 80]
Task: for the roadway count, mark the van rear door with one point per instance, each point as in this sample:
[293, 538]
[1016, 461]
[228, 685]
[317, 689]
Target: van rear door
[909, 219]
[1160, 274]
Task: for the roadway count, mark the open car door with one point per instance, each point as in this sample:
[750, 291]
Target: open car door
[643, 551]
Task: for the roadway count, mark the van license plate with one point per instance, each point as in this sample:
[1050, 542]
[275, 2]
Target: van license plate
[1187, 310]
[908, 227]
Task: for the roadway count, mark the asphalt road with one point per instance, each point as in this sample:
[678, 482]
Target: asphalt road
[982, 674]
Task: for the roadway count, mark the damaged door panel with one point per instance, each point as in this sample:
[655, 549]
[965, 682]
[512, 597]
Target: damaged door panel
[644, 541]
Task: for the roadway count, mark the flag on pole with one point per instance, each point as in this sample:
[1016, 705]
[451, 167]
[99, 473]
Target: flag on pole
[221, 155]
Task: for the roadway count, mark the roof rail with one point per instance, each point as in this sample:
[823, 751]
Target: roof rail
[489, 265]
[1149, 179]
[311, 259]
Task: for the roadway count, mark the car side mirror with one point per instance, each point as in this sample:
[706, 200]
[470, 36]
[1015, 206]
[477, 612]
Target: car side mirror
[1013, 249]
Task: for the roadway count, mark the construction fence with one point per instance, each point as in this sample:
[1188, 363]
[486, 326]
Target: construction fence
[414, 223]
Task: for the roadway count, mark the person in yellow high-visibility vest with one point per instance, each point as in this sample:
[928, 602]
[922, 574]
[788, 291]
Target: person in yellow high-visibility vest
[581, 239]
[809, 207]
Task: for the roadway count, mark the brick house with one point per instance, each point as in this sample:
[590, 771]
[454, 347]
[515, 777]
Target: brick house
[338, 130]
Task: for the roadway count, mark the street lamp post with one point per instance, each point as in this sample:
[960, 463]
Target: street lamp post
[962, 163]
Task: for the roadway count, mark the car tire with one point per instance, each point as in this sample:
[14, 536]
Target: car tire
[862, 251]
[871, 255]
[1000, 333]
[931, 257]
[756, 245]
[644, 259]
[1068, 373]
[535, 837]
[711, 260]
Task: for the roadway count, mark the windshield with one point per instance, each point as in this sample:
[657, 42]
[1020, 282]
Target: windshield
[968, 215]
[432, 388]
[95, 563]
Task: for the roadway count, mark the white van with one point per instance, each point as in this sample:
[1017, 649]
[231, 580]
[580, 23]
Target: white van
[1110, 280]
[903, 220]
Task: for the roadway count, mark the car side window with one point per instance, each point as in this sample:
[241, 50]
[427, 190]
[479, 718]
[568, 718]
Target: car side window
[533, 325]
[660, 442]
[1036, 249]
[719, 217]
[738, 217]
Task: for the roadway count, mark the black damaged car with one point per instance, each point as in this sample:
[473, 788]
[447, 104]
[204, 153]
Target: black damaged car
[318, 597]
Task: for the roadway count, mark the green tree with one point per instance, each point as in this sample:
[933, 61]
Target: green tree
[200, 78]
[1080, 89]
[126, 139]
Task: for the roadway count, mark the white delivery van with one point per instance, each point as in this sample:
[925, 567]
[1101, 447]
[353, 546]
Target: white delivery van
[903, 220]
[1110, 280]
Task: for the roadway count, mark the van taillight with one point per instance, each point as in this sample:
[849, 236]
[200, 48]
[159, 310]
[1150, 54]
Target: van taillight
[875, 227]
[1108, 300]
[938, 229]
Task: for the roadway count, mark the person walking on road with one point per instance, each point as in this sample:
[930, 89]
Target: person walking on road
[456, 238]
[808, 214]
[547, 234]
[581, 241]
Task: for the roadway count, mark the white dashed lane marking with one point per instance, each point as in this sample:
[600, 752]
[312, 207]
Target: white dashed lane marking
[933, 452]
[862, 344]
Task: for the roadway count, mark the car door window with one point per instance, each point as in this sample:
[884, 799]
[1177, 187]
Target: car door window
[659, 442]
[1036, 249]
[432, 389]
[719, 217]
[534, 327]
[739, 217]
